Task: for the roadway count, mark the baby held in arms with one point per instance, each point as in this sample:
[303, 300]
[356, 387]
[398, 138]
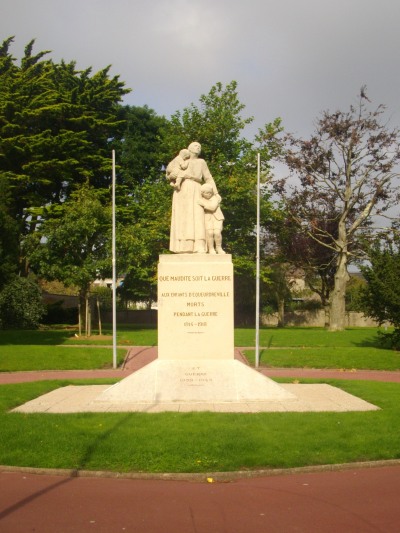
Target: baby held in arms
[176, 167]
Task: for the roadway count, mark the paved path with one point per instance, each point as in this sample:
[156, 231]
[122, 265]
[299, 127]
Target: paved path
[348, 501]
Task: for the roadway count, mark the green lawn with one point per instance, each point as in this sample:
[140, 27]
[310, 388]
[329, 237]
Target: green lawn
[198, 442]
[330, 357]
[147, 336]
[299, 337]
[281, 347]
[16, 358]
[126, 335]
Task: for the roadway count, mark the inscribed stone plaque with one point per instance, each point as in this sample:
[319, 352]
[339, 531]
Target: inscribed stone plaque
[195, 307]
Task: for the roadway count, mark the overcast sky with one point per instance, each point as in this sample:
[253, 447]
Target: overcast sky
[291, 58]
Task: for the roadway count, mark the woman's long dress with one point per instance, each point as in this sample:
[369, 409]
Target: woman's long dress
[187, 220]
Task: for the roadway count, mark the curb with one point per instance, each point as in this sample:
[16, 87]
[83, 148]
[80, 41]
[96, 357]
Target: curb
[205, 477]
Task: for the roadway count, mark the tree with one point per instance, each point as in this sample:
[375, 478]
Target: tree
[278, 287]
[142, 235]
[316, 261]
[144, 196]
[140, 151]
[380, 297]
[217, 123]
[355, 289]
[347, 171]
[8, 237]
[143, 203]
[57, 125]
[72, 245]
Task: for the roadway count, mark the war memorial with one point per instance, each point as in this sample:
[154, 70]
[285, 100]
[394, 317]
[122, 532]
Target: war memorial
[196, 368]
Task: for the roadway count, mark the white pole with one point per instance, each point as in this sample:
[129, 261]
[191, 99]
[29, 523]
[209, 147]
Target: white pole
[257, 355]
[114, 268]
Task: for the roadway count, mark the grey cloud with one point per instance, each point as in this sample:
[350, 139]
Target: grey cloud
[291, 58]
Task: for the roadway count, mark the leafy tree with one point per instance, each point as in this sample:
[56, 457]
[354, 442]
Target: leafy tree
[21, 304]
[278, 289]
[347, 170]
[380, 298]
[142, 202]
[56, 128]
[142, 235]
[316, 261]
[140, 151]
[217, 123]
[8, 237]
[75, 242]
[355, 289]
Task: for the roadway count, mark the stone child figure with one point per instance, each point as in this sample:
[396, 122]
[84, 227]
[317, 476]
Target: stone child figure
[175, 169]
[210, 202]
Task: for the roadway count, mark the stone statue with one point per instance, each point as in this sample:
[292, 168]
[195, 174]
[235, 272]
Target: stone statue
[181, 162]
[214, 218]
[188, 231]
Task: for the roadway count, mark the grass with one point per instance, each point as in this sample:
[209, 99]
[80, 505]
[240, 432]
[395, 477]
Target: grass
[331, 357]
[147, 336]
[16, 358]
[126, 335]
[300, 337]
[50, 349]
[198, 442]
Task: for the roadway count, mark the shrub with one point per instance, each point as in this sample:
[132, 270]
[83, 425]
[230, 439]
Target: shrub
[390, 340]
[21, 304]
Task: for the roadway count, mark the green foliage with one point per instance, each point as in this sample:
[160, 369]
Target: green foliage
[354, 291]
[217, 123]
[21, 304]
[57, 125]
[75, 239]
[103, 295]
[73, 245]
[143, 203]
[8, 237]
[144, 197]
[380, 298]
[140, 152]
[142, 235]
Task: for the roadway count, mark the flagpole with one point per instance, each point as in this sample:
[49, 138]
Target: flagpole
[114, 269]
[257, 355]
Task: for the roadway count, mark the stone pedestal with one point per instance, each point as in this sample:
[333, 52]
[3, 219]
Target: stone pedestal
[203, 381]
[195, 307]
[196, 365]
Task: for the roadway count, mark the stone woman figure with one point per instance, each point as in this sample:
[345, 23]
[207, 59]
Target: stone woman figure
[188, 234]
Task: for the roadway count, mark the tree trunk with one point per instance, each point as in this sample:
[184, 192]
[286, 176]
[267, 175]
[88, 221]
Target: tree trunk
[326, 314]
[99, 316]
[83, 297]
[281, 312]
[337, 312]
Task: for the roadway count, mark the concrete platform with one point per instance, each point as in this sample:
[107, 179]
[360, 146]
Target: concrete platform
[302, 398]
